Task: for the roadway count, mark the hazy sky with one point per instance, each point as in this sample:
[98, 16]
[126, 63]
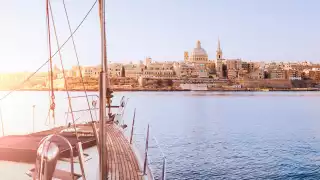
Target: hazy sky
[279, 30]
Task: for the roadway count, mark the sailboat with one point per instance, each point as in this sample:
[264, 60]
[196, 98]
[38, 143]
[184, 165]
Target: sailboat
[92, 150]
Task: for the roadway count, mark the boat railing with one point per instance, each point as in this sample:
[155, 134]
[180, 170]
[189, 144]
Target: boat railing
[164, 161]
[47, 156]
[147, 162]
[90, 95]
[146, 159]
[93, 106]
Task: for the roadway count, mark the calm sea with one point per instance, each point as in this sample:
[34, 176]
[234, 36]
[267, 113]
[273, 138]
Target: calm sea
[204, 135]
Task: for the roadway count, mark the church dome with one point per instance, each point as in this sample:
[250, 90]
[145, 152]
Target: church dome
[199, 51]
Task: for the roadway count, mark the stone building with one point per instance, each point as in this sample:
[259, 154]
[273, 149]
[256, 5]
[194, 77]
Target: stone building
[156, 69]
[232, 73]
[293, 74]
[183, 70]
[198, 58]
[256, 75]
[277, 74]
[234, 64]
[86, 71]
[314, 74]
[115, 69]
[248, 66]
[133, 70]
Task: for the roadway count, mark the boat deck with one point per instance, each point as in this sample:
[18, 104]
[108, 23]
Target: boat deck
[122, 162]
[22, 148]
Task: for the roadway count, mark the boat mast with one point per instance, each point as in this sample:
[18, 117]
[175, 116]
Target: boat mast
[103, 86]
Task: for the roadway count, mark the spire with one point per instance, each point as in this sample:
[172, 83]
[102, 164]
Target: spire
[198, 44]
[219, 51]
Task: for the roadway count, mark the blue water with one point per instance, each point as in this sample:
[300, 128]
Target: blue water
[235, 135]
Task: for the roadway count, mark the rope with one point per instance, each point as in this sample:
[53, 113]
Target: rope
[64, 75]
[37, 70]
[52, 105]
[76, 54]
[49, 110]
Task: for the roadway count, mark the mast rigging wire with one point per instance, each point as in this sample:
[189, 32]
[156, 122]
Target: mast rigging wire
[37, 70]
[64, 75]
[52, 105]
[77, 58]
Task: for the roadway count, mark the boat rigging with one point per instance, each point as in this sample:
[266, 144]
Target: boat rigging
[64, 142]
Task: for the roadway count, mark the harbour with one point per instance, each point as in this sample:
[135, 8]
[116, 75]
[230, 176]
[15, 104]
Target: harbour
[159, 90]
[225, 135]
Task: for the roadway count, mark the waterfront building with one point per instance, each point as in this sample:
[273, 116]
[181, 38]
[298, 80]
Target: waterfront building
[234, 64]
[257, 74]
[293, 74]
[74, 71]
[249, 66]
[133, 70]
[115, 69]
[245, 66]
[257, 65]
[86, 71]
[233, 68]
[90, 71]
[211, 69]
[184, 70]
[274, 65]
[156, 69]
[277, 74]
[314, 74]
[232, 73]
[201, 70]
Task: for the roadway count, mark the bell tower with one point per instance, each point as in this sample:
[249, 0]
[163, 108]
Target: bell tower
[219, 61]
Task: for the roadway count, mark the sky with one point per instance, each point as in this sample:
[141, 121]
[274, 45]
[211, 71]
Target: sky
[264, 30]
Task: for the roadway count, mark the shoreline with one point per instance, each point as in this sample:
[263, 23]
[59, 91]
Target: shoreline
[177, 90]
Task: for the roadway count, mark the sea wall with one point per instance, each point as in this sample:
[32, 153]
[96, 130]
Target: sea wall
[266, 83]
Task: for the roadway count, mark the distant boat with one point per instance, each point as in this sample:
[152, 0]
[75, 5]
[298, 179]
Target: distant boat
[194, 87]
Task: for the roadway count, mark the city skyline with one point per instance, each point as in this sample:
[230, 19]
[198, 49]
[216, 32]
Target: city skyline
[249, 30]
